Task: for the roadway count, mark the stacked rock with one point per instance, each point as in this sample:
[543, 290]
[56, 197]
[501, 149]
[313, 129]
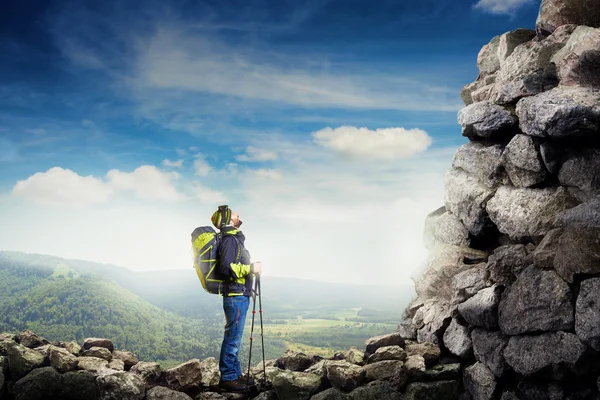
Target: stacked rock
[512, 285]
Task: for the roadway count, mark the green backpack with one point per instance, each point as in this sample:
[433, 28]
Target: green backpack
[205, 244]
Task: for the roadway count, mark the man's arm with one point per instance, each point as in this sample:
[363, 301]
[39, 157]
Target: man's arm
[227, 260]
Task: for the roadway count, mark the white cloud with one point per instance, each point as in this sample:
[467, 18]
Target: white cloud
[256, 154]
[501, 6]
[387, 143]
[172, 164]
[58, 185]
[36, 131]
[64, 186]
[207, 195]
[201, 166]
[270, 174]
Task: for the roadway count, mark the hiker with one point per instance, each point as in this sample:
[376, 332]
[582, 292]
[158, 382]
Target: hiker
[234, 264]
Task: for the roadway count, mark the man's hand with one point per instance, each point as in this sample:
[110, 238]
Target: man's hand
[258, 267]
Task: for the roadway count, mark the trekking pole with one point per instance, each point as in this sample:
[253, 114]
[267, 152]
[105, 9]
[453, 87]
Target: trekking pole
[251, 333]
[262, 339]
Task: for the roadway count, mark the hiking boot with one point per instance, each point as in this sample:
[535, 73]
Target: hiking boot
[236, 385]
[244, 379]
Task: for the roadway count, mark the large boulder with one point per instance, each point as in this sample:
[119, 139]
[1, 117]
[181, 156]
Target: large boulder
[354, 355]
[73, 348]
[510, 40]
[528, 71]
[98, 352]
[78, 385]
[185, 376]
[162, 393]
[21, 360]
[295, 385]
[544, 254]
[586, 215]
[92, 364]
[488, 347]
[506, 263]
[32, 340]
[117, 365]
[555, 13]
[387, 353]
[466, 197]
[330, 394]
[120, 385]
[3, 370]
[487, 59]
[129, 359]
[429, 351]
[344, 375]
[482, 309]
[528, 213]
[295, 361]
[480, 382]
[539, 301]
[61, 359]
[457, 340]
[578, 252]
[41, 383]
[209, 370]
[523, 163]
[577, 62]
[431, 320]
[442, 372]
[481, 161]
[439, 390]
[415, 367]
[97, 342]
[442, 227]
[468, 283]
[486, 120]
[149, 371]
[391, 339]
[376, 390]
[382, 370]
[582, 172]
[562, 112]
[530, 355]
[587, 313]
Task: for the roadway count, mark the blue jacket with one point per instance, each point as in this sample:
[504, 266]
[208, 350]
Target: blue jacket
[234, 263]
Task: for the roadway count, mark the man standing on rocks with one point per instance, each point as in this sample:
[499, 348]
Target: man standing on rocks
[235, 266]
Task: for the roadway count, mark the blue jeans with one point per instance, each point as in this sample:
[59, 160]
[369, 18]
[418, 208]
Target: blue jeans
[235, 308]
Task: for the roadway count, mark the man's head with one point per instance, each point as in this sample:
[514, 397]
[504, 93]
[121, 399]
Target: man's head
[225, 216]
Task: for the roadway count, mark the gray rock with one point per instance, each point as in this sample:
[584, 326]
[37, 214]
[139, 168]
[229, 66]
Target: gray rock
[582, 172]
[162, 393]
[468, 283]
[392, 339]
[185, 376]
[344, 375]
[551, 154]
[545, 252]
[97, 342]
[466, 93]
[92, 364]
[487, 59]
[536, 389]
[510, 40]
[560, 113]
[3, 370]
[488, 348]
[415, 367]
[5, 345]
[523, 163]
[116, 364]
[586, 215]
[482, 309]
[457, 340]
[120, 385]
[480, 382]
[209, 370]
[442, 372]
[272, 395]
[539, 301]
[444, 228]
[21, 360]
[481, 161]
[382, 370]
[407, 330]
[149, 371]
[295, 385]
[41, 383]
[319, 368]
[73, 348]
[330, 394]
[587, 313]
[466, 198]
[61, 359]
[483, 93]
[578, 252]
[395, 353]
[354, 355]
[429, 351]
[525, 213]
[577, 61]
[295, 361]
[376, 390]
[487, 120]
[8, 336]
[98, 352]
[209, 396]
[529, 355]
[30, 339]
[555, 13]
[440, 390]
[78, 385]
[506, 263]
[128, 358]
[43, 350]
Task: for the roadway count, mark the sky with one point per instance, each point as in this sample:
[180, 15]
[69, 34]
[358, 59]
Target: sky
[327, 125]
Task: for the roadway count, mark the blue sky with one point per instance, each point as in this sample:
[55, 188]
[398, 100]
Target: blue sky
[122, 118]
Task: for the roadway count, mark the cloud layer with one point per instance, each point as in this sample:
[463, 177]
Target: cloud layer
[501, 6]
